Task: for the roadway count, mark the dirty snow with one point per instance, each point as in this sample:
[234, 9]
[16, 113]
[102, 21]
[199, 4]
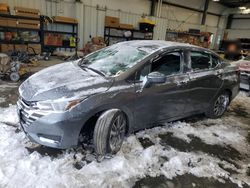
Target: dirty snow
[20, 168]
[3, 87]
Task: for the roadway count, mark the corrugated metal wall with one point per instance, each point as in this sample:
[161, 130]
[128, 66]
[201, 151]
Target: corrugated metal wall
[91, 18]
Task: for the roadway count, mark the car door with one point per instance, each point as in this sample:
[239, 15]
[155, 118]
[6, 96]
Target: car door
[205, 79]
[160, 102]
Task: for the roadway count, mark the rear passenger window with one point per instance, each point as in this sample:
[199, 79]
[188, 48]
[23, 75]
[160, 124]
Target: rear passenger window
[200, 60]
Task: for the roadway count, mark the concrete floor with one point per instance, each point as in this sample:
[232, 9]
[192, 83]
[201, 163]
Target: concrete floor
[8, 89]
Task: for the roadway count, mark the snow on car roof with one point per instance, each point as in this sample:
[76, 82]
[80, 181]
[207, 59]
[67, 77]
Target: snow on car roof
[158, 44]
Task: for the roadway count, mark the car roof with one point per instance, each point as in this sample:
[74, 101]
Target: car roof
[159, 44]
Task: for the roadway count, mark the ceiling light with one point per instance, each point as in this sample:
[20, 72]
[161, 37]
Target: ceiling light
[216, 0]
[242, 8]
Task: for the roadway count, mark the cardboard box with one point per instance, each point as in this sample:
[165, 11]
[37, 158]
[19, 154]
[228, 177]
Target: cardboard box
[29, 12]
[4, 7]
[34, 48]
[12, 22]
[53, 39]
[126, 26]
[8, 22]
[97, 40]
[112, 21]
[21, 47]
[31, 24]
[3, 22]
[64, 19]
[5, 48]
[4, 12]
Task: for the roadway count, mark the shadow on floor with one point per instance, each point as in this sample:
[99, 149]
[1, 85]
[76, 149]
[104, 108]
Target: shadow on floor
[226, 153]
[45, 151]
[183, 181]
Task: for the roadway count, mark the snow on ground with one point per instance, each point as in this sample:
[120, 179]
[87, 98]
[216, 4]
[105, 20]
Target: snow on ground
[174, 149]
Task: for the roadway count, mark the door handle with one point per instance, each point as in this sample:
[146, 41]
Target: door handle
[219, 73]
[184, 82]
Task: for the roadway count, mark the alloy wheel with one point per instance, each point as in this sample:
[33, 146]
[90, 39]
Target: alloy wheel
[117, 133]
[221, 104]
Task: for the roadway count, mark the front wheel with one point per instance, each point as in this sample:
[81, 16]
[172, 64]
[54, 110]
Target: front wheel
[219, 106]
[109, 132]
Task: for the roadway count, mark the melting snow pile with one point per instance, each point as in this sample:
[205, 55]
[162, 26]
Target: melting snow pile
[20, 168]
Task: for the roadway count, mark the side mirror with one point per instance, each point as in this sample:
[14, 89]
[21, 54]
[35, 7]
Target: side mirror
[153, 78]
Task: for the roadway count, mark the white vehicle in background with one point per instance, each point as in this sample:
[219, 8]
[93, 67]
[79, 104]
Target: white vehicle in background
[244, 67]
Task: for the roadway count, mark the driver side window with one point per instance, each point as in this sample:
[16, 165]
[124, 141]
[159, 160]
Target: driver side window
[167, 64]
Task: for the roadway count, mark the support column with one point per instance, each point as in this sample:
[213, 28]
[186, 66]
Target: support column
[204, 15]
[152, 8]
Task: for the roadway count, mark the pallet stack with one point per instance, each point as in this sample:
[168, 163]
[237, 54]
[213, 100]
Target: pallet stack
[19, 31]
[27, 12]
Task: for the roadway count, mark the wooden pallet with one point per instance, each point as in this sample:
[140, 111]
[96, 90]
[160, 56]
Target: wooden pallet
[64, 19]
[28, 12]
[31, 24]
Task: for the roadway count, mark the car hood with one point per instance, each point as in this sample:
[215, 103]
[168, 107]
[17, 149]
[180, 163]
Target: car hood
[65, 80]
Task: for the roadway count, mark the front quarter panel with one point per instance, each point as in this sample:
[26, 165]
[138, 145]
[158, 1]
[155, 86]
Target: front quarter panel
[120, 96]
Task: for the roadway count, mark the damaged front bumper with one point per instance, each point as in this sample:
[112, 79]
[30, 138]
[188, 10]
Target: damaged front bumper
[53, 129]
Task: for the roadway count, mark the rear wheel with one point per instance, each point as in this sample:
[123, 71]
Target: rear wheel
[219, 106]
[109, 132]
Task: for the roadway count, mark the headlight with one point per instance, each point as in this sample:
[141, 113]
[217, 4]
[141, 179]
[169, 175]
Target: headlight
[57, 105]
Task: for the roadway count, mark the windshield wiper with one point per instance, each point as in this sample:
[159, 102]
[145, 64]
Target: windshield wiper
[92, 69]
[83, 61]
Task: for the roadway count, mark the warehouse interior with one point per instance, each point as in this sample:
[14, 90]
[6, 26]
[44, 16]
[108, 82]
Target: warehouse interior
[212, 21]
[194, 151]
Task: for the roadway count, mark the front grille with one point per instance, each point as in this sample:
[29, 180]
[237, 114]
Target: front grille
[27, 113]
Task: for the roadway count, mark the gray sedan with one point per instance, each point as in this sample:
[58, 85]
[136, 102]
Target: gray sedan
[121, 89]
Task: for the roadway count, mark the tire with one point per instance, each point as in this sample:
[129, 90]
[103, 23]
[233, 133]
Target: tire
[14, 76]
[109, 132]
[219, 106]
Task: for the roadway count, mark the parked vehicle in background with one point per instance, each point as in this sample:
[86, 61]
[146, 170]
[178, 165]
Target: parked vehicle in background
[121, 89]
[244, 67]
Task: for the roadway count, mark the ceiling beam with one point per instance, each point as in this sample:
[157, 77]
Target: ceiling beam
[189, 8]
[241, 18]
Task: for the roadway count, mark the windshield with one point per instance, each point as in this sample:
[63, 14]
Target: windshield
[115, 59]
